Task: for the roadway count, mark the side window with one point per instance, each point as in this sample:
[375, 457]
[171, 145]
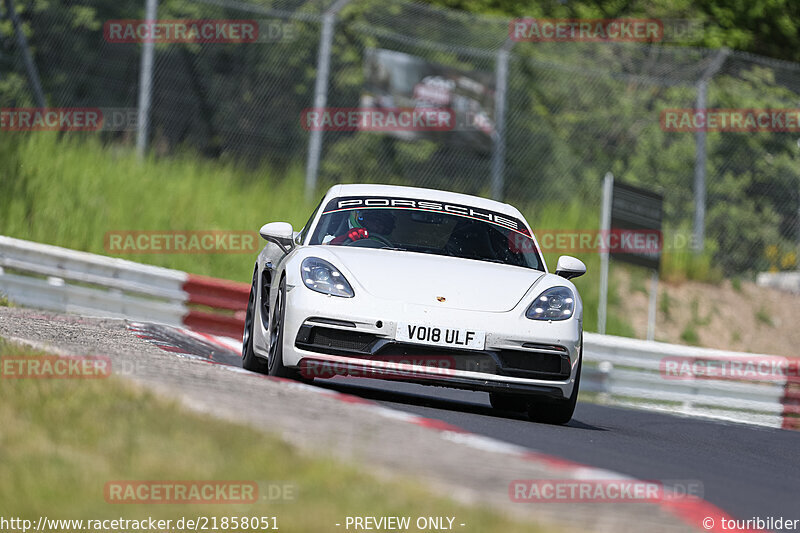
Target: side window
[303, 232]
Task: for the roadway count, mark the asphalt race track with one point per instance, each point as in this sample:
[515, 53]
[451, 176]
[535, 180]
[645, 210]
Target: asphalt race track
[747, 471]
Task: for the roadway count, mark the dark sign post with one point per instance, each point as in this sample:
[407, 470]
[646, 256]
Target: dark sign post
[638, 213]
[631, 226]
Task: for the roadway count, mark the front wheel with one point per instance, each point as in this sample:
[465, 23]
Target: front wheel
[556, 411]
[276, 327]
[249, 359]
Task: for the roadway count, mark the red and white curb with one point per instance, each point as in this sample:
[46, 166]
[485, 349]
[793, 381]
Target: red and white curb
[693, 511]
[218, 294]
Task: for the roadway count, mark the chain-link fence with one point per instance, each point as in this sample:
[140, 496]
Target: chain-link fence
[540, 123]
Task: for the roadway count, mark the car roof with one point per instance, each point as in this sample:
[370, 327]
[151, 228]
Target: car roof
[369, 189]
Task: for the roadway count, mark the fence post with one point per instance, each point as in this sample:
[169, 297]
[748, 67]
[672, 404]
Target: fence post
[499, 152]
[605, 227]
[27, 57]
[700, 153]
[146, 83]
[321, 94]
[700, 174]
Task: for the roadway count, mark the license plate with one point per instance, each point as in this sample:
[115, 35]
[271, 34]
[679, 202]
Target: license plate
[468, 339]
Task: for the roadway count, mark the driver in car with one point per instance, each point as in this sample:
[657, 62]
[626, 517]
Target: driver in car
[367, 222]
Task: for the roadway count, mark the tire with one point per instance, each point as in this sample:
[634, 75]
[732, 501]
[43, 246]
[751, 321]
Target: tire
[557, 411]
[276, 327]
[508, 402]
[250, 361]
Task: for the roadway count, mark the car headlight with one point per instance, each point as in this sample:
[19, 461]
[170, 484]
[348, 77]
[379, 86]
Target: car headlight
[321, 276]
[556, 303]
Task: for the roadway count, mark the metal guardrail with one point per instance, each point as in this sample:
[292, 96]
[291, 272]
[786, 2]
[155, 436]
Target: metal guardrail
[619, 370]
[642, 374]
[784, 281]
[59, 279]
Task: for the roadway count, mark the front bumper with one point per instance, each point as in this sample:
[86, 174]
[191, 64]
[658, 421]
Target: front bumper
[326, 336]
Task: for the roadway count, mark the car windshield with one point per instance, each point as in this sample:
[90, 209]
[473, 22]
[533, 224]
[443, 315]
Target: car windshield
[426, 227]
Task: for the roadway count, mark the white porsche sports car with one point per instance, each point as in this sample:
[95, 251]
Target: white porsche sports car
[422, 286]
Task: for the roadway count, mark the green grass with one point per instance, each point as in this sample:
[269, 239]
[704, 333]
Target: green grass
[736, 284]
[639, 280]
[689, 335]
[664, 305]
[763, 317]
[4, 302]
[680, 263]
[72, 191]
[696, 318]
[63, 440]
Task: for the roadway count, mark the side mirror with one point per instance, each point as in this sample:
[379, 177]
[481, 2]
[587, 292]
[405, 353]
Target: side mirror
[281, 233]
[569, 267]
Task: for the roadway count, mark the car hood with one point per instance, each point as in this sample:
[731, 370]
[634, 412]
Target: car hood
[421, 279]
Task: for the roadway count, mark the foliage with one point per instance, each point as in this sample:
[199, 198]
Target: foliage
[689, 335]
[767, 27]
[72, 191]
[574, 113]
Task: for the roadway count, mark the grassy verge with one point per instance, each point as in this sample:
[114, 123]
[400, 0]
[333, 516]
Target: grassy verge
[62, 440]
[4, 302]
[71, 191]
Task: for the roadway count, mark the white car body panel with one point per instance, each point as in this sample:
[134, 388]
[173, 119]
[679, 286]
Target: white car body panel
[393, 286]
[469, 285]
